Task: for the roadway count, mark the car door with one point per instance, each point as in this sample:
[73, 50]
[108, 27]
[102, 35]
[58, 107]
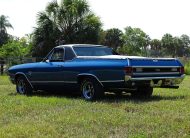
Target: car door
[50, 71]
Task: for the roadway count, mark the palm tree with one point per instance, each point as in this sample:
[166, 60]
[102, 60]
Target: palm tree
[69, 20]
[155, 45]
[168, 45]
[113, 38]
[4, 23]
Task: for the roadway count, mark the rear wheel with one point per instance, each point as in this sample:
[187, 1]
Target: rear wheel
[22, 86]
[142, 92]
[118, 93]
[91, 89]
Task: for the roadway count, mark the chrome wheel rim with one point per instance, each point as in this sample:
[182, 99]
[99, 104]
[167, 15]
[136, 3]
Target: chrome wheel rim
[21, 86]
[88, 90]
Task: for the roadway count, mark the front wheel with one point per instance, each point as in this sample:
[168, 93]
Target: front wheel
[22, 86]
[91, 89]
[142, 92]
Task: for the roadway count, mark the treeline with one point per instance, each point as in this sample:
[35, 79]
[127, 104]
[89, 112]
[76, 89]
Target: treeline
[72, 21]
[134, 41]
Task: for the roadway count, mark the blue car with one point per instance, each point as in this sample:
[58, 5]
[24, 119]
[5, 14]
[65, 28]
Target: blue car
[95, 69]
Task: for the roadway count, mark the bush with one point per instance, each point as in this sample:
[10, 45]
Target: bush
[187, 68]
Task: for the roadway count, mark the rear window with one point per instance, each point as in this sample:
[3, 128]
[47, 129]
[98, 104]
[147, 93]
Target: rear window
[93, 51]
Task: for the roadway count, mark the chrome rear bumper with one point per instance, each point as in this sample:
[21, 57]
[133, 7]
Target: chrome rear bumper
[158, 81]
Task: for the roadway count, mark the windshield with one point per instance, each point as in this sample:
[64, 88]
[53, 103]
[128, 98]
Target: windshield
[93, 51]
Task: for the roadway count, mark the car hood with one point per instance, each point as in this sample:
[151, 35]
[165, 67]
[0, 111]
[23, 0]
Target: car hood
[26, 65]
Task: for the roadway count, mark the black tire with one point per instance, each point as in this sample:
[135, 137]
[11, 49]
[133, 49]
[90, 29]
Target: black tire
[118, 93]
[91, 89]
[22, 86]
[142, 92]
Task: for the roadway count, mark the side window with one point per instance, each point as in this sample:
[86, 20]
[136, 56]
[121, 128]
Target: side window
[69, 55]
[57, 55]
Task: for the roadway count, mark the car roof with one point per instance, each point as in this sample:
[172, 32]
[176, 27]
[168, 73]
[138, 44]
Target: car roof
[79, 45]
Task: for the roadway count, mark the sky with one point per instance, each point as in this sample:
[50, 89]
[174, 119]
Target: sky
[154, 17]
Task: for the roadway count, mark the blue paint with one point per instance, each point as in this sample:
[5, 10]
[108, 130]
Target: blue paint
[105, 69]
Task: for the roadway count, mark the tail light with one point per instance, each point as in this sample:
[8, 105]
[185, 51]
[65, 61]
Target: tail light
[182, 70]
[128, 70]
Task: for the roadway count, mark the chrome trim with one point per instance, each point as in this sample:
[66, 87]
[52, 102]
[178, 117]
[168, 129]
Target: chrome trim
[88, 74]
[156, 66]
[53, 82]
[128, 61]
[21, 73]
[113, 81]
[156, 73]
[70, 81]
[163, 82]
[152, 78]
[74, 52]
[44, 59]
[146, 58]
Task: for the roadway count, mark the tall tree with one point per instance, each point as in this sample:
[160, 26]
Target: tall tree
[69, 21]
[44, 36]
[185, 44]
[179, 47]
[176, 46]
[4, 25]
[102, 35]
[113, 38]
[155, 45]
[136, 41]
[168, 45]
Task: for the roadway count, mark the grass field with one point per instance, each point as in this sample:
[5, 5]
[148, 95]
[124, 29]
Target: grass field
[166, 114]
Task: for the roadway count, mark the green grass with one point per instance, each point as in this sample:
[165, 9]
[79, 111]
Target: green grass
[166, 114]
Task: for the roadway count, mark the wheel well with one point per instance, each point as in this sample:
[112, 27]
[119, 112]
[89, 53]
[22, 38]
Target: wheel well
[22, 75]
[18, 75]
[82, 77]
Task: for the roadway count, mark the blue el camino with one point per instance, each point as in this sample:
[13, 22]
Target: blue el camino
[95, 69]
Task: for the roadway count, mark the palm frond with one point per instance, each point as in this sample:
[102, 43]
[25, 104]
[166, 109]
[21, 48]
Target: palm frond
[52, 8]
[4, 23]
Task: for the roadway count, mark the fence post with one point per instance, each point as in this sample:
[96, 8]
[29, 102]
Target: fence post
[2, 63]
[2, 69]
